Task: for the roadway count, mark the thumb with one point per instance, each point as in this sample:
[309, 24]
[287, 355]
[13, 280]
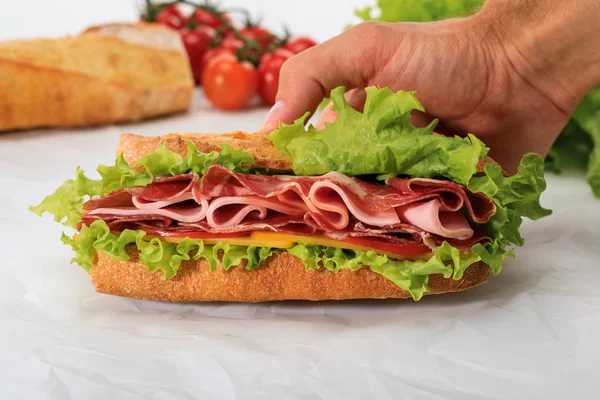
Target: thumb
[350, 59]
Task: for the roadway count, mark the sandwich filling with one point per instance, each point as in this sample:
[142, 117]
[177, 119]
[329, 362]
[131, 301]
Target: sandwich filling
[403, 218]
[383, 195]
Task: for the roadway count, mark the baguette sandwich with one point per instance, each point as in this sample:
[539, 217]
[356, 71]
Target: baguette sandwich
[368, 207]
[107, 74]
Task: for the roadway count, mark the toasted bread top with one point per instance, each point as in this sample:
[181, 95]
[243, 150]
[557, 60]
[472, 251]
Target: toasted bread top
[265, 155]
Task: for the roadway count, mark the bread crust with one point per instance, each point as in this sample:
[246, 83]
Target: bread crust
[265, 155]
[282, 277]
[111, 74]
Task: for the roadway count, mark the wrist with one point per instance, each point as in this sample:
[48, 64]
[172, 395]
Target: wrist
[552, 45]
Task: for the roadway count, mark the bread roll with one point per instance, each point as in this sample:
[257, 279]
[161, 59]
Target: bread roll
[108, 74]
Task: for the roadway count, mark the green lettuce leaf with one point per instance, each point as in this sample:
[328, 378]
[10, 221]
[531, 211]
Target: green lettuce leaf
[65, 203]
[516, 196]
[417, 10]
[587, 116]
[159, 255]
[578, 146]
[380, 140]
[571, 150]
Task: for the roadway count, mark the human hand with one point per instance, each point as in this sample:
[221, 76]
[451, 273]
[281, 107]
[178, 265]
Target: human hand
[468, 73]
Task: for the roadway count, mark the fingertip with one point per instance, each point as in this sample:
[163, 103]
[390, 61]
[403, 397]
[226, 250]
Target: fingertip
[273, 118]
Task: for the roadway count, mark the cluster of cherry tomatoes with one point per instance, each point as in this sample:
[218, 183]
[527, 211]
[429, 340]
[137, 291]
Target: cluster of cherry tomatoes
[232, 64]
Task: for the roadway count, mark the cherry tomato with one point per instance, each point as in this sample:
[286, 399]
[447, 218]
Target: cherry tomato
[196, 43]
[228, 83]
[263, 36]
[268, 74]
[171, 16]
[205, 17]
[299, 44]
[213, 53]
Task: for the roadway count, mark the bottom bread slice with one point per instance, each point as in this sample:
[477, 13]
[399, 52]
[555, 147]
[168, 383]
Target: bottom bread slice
[282, 277]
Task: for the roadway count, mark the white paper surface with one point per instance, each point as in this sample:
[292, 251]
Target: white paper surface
[532, 332]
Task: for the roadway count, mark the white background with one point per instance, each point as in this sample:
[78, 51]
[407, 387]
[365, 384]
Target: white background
[32, 18]
[532, 332]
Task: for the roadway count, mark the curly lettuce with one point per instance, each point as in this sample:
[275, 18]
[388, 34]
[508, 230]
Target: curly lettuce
[65, 203]
[157, 254]
[381, 140]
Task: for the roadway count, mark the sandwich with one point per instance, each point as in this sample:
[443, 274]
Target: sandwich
[107, 74]
[370, 206]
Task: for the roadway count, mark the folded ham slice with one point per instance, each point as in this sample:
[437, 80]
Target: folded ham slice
[435, 217]
[181, 212]
[453, 196]
[166, 188]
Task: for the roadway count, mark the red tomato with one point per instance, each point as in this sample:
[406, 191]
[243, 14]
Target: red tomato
[401, 251]
[171, 16]
[214, 53]
[299, 44]
[196, 43]
[263, 36]
[268, 74]
[229, 84]
[208, 18]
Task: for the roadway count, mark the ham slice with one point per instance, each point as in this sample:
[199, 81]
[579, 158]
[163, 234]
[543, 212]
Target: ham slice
[453, 196]
[121, 222]
[181, 212]
[230, 211]
[274, 222]
[329, 197]
[334, 200]
[163, 189]
[435, 217]
[118, 198]
[143, 204]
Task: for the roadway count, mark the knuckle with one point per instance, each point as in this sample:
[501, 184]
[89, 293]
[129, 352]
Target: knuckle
[371, 30]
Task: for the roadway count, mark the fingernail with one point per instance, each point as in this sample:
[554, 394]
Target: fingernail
[273, 118]
[327, 115]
